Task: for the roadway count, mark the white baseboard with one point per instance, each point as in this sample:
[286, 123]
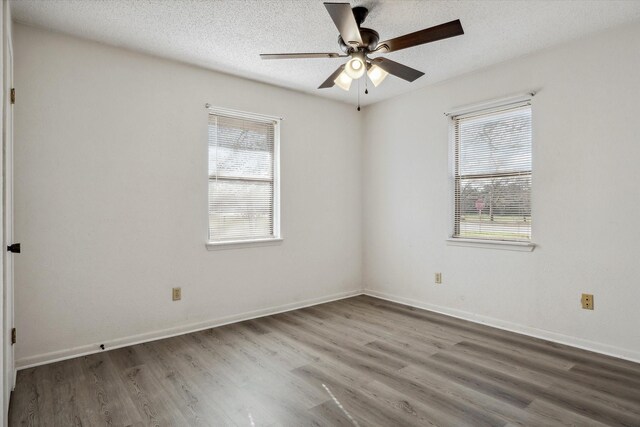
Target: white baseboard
[56, 356]
[609, 350]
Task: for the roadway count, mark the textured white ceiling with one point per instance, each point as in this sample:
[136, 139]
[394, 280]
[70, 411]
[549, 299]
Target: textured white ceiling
[228, 35]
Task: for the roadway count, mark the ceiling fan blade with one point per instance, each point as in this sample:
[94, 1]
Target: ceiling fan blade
[342, 16]
[407, 73]
[428, 35]
[300, 55]
[329, 82]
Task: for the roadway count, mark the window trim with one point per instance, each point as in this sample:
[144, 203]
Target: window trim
[488, 106]
[510, 245]
[277, 232]
[235, 244]
[466, 111]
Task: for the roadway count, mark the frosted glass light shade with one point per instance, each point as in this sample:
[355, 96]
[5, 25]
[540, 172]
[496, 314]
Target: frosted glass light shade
[355, 68]
[376, 75]
[343, 81]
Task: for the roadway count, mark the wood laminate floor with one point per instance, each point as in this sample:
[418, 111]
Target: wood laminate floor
[359, 361]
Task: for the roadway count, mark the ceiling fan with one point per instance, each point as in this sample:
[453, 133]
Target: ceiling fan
[358, 43]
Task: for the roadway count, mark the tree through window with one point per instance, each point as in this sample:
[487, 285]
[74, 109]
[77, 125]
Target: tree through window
[243, 179]
[493, 174]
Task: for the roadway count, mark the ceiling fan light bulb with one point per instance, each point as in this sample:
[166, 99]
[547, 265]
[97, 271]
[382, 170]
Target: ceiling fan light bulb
[355, 68]
[377, 75]
[343, 81]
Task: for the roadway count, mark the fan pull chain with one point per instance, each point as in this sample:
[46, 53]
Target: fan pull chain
[358, 94]
[366, 89]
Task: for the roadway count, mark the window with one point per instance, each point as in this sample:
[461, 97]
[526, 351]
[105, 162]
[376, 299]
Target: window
[492, 174]
[243, 177]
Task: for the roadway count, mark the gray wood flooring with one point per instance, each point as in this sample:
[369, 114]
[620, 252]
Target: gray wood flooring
[359, 361]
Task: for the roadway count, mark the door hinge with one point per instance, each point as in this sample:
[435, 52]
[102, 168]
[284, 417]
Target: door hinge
[13, 336]
[15, 248]
[13, 95]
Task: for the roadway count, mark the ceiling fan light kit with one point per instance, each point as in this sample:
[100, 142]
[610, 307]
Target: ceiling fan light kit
[355, 67]
[376, 75]
[343, 81]
[358, 43]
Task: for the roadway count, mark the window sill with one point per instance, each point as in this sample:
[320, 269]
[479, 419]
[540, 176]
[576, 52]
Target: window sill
[235, 244]
[492, 244]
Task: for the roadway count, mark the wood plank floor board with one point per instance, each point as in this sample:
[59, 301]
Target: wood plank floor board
[472, 397]
[179, 387]
[36, 406]
[453, 330]
[354, 401]
[331, 414]
[295, 354]
[516, 369]
[360, 361]
[218, 389]
[624, 404]
[325, 350]
[467, 331]
[551, 373]
[113, 405]
[510, 387]
[367, 370]
[561, 417]
[266, 382]
[221, 391]
[125, 357]
[264, 347]
[353, 335]
[439, 398]
[151, 401]
[239, 390]
[410, 354]
[414, 410]
[390, 326]
[353, 349]
[531, 344]
[65, 395]
[493, 383]
[630, 380]
[543, 369]
[331, 350]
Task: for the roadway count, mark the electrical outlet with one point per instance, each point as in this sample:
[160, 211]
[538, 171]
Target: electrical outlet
[176, 294]
[587, 301]
[438, 278]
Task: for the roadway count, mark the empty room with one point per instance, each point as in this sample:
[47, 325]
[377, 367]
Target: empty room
[308, 213]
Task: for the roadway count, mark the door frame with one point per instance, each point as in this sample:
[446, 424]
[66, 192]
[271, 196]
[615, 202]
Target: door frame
[8, 364]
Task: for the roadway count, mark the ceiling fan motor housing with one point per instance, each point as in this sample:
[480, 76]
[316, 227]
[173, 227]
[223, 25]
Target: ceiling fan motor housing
[370, 40]
[369, 37]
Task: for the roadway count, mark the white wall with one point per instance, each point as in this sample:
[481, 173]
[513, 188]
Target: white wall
[586, 199]
[111, 198]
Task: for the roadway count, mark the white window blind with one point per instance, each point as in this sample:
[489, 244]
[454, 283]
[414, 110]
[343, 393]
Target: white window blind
[492, 155]
[243, 187]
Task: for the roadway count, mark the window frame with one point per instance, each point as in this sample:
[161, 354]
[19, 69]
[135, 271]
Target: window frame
[484, 107]
[277, 231]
